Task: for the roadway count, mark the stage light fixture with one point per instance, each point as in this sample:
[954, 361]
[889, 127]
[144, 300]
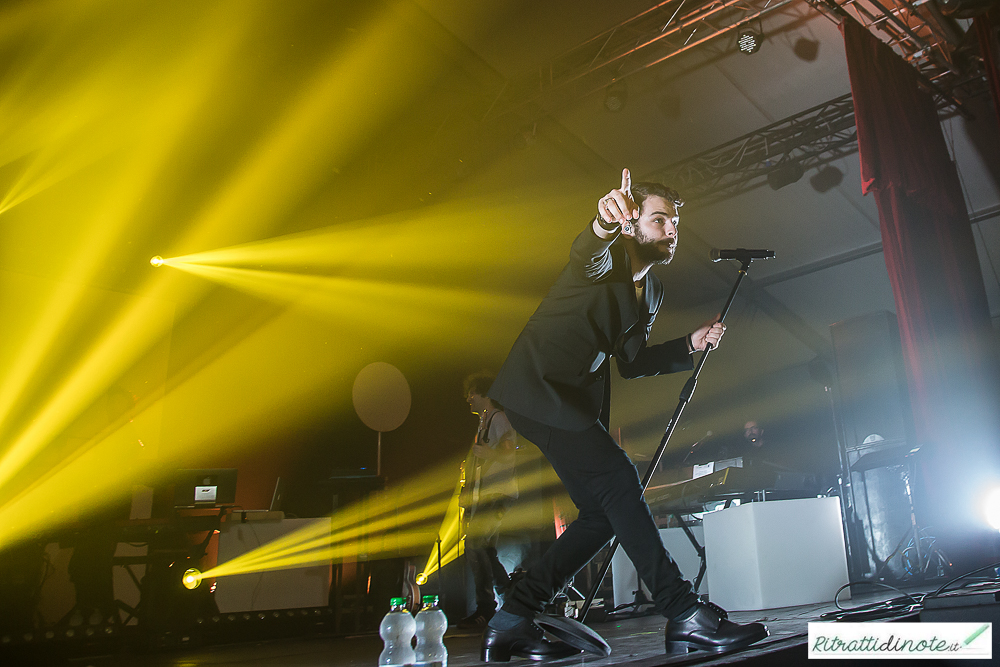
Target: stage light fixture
[991, 508]
[191, 578]
[421, 579]
[749, 40]
[784, 174]
[156, 261]
[526, 137]
[826, 179]
[806, 49]
[615, 96]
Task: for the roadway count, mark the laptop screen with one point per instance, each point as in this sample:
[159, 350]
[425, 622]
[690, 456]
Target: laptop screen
[209, 487]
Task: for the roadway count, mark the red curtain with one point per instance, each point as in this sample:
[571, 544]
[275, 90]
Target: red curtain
[930, 254]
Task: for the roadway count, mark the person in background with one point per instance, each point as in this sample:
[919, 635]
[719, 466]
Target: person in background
[489, 489]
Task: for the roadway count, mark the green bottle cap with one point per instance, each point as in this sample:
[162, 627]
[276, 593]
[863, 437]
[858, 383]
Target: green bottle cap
[431, 599]
[397, 602]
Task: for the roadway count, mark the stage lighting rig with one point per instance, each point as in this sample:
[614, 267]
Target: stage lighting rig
[785, 173]
[749, 40]
[156, 261]
[191, 578]
[615, 96]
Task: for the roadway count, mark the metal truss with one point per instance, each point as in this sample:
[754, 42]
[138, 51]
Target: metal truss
[934, 44]
[664, 31]
[811, 139]
[826, 133]
[945, 57]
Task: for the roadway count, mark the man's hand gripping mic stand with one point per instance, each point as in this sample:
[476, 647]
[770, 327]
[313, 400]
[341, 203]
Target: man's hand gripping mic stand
[685, 397]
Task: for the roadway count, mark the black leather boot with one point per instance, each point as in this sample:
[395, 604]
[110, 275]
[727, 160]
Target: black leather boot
[527, 640]
[708, 628]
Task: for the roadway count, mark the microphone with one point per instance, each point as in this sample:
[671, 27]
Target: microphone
[742, 254]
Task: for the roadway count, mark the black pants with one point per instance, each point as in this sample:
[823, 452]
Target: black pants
[481, 551]
[605, 487]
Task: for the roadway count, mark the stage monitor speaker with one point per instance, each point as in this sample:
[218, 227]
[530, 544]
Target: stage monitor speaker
[877, 424]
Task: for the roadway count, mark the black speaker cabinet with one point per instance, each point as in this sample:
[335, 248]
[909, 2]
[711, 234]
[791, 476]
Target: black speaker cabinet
[878, 433]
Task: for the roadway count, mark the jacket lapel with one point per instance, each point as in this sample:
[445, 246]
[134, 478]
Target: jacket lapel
[634, 315]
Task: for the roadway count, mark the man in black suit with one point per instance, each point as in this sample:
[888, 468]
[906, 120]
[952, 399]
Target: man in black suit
[554, 387]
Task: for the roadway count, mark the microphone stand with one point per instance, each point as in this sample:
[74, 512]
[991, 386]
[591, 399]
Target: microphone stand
[685, 398]
[695, 446]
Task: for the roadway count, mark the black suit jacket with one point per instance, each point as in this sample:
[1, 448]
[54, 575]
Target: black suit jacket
[556, 371]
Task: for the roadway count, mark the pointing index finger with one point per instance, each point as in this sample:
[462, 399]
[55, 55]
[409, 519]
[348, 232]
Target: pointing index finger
[633, 211]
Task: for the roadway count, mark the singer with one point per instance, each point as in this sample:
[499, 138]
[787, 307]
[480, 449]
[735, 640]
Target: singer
[554, 387]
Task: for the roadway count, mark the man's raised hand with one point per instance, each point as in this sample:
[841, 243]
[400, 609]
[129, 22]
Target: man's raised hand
[618, 208]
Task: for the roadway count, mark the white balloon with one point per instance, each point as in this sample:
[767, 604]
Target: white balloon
[381, 397]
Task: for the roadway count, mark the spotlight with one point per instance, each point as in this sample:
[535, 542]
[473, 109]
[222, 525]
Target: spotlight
[826, 178]
[806, 49]
[156, 261]
[421, 579]
[191, 578]
[784, 174]
[991, 508]
[526, 137]
[615, 96]
[749, 40]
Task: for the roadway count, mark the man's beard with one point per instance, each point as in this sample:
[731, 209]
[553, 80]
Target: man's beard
[653, 253]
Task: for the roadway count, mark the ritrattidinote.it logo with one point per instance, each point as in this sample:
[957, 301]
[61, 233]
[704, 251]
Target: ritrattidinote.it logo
[901, 640]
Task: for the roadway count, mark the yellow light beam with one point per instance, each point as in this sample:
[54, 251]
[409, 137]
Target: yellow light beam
[270, 551]
[354, 522]
[285, 165]
[393, 544]
[382, 512]
[161, 126]
[417, 240]
[446, 557]
[313, 538]
[420, 308]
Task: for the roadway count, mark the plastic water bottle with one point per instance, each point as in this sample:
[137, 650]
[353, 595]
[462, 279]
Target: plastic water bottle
[431, 626]
[397, 630]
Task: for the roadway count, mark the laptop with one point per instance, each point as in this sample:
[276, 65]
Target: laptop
[207, 487]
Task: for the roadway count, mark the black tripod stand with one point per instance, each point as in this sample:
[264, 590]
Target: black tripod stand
[917, 550]
[745, 257]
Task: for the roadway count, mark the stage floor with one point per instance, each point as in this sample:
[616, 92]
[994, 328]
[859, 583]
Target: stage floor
[635, 642]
